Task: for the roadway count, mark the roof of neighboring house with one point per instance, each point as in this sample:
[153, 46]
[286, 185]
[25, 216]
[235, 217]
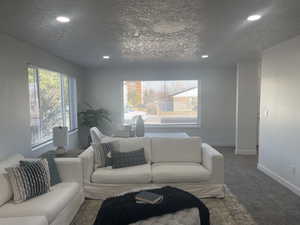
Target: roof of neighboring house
[189, 93]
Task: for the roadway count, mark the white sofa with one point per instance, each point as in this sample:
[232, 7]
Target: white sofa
[28, 220]
[181, 162]
[57, 207]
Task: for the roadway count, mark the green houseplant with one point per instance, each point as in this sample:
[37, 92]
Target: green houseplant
[92, 117]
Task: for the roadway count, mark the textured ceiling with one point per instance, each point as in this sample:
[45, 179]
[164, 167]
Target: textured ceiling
[151, 30]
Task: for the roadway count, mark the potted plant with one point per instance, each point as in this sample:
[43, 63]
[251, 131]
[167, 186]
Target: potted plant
[92, 117]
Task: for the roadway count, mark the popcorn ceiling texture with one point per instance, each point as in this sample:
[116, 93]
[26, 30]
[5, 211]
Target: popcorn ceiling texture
[157, 28]
[151, 30]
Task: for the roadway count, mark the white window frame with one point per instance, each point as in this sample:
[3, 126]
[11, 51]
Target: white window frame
[72, 101]
[181, 125]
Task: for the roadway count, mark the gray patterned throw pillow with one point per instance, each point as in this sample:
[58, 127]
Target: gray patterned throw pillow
[30, 180]
[127, 159]
[107, 149]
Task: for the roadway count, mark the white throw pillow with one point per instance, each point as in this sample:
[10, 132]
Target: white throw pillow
[6, 193]
[6, 189]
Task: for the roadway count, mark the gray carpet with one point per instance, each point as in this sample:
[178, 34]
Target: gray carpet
[267, 201]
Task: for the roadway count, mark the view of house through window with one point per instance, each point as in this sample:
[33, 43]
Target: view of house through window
[161, 102]
[52, 103]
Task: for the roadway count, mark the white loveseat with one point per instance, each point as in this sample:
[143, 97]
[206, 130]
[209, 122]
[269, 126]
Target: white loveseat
[181, 162]
[57, 207]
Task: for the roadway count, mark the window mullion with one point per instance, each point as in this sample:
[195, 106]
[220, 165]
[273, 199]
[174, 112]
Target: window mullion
[70, 94]
[63, 110]
[37, 77]
[73, 111]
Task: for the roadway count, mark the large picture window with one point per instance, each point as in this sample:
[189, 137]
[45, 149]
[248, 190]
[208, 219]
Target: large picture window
[161, 102]
[52, 98]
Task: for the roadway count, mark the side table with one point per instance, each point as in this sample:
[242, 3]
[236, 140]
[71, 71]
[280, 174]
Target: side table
[72, 153]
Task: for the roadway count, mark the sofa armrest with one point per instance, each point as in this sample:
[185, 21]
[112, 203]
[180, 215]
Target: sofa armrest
[70, 169]
[37, 220]
[87, 159]
[214, 162]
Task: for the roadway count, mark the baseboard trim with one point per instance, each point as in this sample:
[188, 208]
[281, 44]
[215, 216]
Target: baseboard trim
[295, 189]
[245, 151]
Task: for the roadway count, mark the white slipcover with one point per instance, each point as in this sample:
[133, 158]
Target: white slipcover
[66, 216]
[214, 162]
[140, 174]
[30, 220]
[48, 205]
[177, 172]
[176, 150]
[96, 135]
[209, 175]
[57, 207]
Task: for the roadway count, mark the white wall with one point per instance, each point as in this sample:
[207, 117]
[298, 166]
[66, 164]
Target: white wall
[279, 154]
[247, 107]
[103, 88]
[14, 97]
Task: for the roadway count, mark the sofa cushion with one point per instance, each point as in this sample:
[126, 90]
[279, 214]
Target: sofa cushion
[140, 174]
[28, 220]
[179, 172]
[6, 190]
[176, 150]
[48, 205]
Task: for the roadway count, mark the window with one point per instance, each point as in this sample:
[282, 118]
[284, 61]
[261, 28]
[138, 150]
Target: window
[161, 102]
[52, 98]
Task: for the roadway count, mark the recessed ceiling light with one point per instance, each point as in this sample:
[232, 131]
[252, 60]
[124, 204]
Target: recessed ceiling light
[106, 57]
[63, 19]
[254, 17]
[204, 56]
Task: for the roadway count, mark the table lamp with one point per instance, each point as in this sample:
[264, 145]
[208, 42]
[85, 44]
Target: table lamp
[60, 139]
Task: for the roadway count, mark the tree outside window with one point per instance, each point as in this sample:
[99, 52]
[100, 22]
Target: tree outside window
[49, 97]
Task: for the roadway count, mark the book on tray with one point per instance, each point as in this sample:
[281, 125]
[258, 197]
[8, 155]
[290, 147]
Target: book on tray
[148, 197]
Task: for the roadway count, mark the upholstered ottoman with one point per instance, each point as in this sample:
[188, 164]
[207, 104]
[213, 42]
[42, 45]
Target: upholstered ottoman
[123, 208]
[183, 217]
